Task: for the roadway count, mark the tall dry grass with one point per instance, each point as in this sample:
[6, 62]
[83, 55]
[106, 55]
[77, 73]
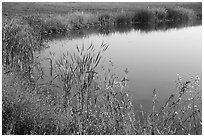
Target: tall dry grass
[87, 101]
[19, 41]
[88, 97]
[49, 24]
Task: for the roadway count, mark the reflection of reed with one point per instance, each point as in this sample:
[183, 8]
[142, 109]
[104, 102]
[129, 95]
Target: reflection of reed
[125, 28]
[145, 20]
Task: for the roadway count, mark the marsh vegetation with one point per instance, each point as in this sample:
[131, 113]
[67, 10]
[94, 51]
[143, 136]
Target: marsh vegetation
[81, 93]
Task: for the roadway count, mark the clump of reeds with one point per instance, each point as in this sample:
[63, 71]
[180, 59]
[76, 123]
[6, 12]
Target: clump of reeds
[19, 42]
[86, 91]
[180, 14]
[36, 22]
[180, 114]
[123, 18]
[32, 108]
[55, 24]
[105, 19]
[46, 25]
[81, 20]
[92, 99]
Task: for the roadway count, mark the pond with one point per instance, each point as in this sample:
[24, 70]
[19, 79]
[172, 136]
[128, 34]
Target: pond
[153, 58]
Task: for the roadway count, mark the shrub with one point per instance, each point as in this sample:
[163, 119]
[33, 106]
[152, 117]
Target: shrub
[53, 26]
[160, 14]
[180, 14]
[86, 18]
[36, 22]
[123, 18]
[144, 16]
[105, 19]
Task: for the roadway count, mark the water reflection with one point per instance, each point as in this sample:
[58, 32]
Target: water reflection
[123, 28]
[153, 59]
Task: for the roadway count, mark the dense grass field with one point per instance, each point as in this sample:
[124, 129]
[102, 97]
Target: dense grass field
[88, 98]
[59, 18]
[58, 8]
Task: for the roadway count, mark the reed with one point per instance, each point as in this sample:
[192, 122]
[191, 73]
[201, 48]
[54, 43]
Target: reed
[91, 99]
[19, 42]
[123, 17]
[52, 24]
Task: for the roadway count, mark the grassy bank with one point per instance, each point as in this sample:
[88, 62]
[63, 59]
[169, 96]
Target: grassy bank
[80, 99]
[53, 21]
[86, 100]
[33, 29]
[52, 24]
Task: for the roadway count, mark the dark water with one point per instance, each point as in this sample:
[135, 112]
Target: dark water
[153, 58]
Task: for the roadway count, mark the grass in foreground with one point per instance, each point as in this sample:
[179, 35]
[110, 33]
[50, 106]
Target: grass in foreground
[89, 101]
[74, 107]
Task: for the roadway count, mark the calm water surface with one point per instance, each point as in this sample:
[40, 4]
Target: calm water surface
[153, 59]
